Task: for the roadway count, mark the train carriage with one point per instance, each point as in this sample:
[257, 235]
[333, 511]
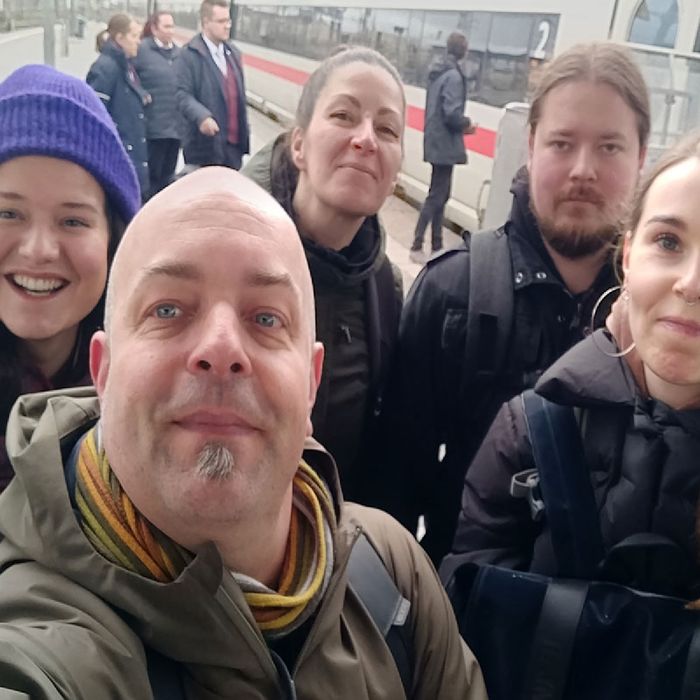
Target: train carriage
[508, 45]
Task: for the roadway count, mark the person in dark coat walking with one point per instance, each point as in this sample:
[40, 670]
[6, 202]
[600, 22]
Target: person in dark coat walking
[636, 389]
[211, 93]
[113, 77]
[154, 65]
[443, 138]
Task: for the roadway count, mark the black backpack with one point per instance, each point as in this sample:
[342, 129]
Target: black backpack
[573, 637]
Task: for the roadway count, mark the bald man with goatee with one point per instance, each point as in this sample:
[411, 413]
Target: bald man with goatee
[180, 534]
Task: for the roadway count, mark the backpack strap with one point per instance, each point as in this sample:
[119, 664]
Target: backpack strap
[383, 601]
[690, 689]
[553, 644]
[565, 485]
[490, 317]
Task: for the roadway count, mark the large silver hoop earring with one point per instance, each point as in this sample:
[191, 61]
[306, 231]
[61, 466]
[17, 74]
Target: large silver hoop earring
[601, 299]
[594, 337]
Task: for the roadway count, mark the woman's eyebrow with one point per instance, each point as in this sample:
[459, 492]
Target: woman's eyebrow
[667, 219]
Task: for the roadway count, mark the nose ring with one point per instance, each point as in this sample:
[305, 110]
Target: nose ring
[690, 303]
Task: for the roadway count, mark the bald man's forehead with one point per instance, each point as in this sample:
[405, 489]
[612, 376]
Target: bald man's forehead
[192, 221]
[155, 226]
[226, 212]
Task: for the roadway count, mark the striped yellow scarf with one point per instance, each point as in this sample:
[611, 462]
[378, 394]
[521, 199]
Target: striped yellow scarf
[123, 536]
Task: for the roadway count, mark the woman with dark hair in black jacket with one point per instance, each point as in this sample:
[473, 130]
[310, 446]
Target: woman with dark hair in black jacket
[332, 173]
[67, 189]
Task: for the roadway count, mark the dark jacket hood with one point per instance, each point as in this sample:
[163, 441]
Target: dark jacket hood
[272, 168]
[585, 376]
[441, 65]
[112, 49]
[522, 224]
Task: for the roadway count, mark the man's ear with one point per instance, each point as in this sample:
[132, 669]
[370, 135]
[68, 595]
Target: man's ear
[315, 373]
[297, 148]
[99, 361]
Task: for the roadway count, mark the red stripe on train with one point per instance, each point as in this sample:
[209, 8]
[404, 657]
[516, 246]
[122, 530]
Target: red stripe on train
[482, 142]
[280, 70]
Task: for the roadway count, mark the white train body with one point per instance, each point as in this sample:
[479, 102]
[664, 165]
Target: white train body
[509, 41]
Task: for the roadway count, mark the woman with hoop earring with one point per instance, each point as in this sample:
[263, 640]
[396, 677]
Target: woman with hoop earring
[635, 390]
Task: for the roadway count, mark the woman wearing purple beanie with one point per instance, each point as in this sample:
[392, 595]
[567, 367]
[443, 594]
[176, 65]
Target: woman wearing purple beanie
[67, 190]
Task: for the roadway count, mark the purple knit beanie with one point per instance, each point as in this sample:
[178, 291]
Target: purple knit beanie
[45, 112]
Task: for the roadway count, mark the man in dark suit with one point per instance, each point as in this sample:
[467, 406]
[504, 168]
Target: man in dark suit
[211, 93]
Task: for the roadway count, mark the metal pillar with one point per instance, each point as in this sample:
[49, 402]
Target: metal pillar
[233, 14]
[49, 33]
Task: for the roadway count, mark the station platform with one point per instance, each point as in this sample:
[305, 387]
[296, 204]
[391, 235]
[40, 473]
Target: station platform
[399, 217]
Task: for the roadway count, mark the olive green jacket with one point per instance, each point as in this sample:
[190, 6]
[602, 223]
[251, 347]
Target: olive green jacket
[62, 637]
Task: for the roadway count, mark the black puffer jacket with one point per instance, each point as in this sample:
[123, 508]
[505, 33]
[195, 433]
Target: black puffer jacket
[110, 76]
[434, 403]
[643, 458]
[154, 64]
[358, 298]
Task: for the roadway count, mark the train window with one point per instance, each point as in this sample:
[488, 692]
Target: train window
[502, 45]
[502, 50]
[655, 23]
[674, 89]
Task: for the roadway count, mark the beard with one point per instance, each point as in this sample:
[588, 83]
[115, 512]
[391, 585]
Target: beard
[574, 244]
[215, 462]
[578, 239]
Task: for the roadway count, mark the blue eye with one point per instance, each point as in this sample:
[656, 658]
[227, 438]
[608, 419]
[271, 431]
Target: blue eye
[267, 319]
[668, 242]
[167, 311]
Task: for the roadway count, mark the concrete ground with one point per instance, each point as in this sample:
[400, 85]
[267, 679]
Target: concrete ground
[398, 217]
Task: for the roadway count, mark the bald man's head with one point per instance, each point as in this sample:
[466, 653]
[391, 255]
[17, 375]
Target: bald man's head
[212, 196]
[209, 372]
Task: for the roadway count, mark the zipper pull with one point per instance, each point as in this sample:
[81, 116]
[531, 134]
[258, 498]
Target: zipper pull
[345, 330]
